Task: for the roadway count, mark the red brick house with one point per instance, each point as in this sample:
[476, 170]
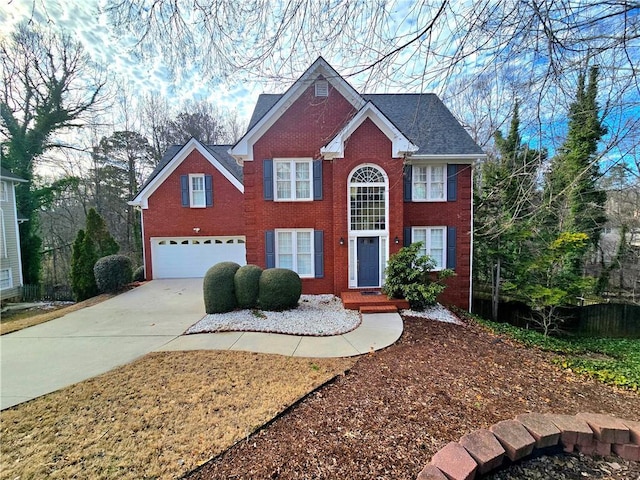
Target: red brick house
[326, 181]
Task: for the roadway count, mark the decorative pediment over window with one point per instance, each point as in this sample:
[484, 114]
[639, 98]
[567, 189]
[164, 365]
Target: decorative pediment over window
[400, 144]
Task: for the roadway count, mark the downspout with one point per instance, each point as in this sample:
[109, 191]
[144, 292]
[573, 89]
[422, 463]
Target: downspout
[471, 245]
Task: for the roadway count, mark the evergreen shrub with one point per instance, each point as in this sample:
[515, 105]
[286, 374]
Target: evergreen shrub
[219, 288]
[112, 273]
[84, 256]
[280, 289]
[247, 285]
[408, 276]
[138, 274]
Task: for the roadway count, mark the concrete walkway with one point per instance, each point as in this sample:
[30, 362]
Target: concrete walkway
[47, 357]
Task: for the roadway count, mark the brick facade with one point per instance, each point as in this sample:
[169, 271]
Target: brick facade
[452, 214]
[166, 217]
[301, 131]
[300, 128]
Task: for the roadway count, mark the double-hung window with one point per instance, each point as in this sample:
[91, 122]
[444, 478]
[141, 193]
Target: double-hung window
[429, 183]
[5, 278]
[293, 179]
[434, 243]
[294, 250]
[4, 193]
[197, 191]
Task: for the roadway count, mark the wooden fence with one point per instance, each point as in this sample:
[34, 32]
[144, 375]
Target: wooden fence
[46, 293]
[613, 320]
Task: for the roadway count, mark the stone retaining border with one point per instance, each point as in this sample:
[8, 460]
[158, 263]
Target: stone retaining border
[482, 451]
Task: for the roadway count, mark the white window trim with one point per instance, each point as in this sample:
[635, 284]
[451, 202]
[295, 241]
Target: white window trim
[428, 243]
[191, 191]
[295, 247]
[385, 184]
[292, 179]
[9, 279]
[3, 231]
[4, 193]
[428, 190]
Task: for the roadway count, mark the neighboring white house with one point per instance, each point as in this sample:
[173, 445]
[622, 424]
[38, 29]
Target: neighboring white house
[10, 262]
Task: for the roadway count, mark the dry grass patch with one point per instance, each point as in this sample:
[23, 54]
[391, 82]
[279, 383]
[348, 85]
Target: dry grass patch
[12, 322]
[158, 417]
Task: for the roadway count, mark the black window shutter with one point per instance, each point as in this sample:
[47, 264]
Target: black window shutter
[407, 182]
[452, 183]
[318, 250]
[406, 241]
[184, 189]
[451, 247]
[317, 179]
[208, 189]
[267, 178]
[270, 248]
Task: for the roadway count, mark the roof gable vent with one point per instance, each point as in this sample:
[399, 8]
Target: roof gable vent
[322, 88]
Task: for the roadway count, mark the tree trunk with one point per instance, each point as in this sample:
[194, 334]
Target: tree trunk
[495, 291]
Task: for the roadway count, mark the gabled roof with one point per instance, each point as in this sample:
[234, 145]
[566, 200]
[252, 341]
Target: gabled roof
[217, 155]
[273, 108]
[7, 175]
[427, 122]
[400, 144]
[421, 117]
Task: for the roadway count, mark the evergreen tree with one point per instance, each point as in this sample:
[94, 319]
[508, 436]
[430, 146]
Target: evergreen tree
[89, 246]
[43, 91]
[573, 201]
[99, 234]
[505, 201]
[83, 259]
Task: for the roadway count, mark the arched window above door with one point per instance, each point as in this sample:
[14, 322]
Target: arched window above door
[368, 199]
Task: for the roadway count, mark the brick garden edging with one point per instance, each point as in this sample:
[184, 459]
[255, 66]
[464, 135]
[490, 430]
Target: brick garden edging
[482, 451]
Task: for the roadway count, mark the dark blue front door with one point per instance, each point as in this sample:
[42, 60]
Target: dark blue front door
[368, 262]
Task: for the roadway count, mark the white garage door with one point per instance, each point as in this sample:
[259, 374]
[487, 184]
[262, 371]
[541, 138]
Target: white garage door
[187, 257]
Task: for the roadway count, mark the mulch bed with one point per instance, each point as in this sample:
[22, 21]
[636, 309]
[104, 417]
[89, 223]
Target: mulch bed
[395, 408]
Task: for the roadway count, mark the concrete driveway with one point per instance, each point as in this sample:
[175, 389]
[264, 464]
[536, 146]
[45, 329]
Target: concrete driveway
[45, 358]
[86, 343]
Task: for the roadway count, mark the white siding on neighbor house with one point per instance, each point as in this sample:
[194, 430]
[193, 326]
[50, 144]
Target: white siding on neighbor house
[9, 248]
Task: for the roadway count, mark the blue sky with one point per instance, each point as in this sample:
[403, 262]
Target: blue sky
[418, 68]
[82, 20]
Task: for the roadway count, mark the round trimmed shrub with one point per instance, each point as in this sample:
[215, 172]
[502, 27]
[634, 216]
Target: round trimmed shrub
[112, 273]
[280, 289]
[219, 289]
[247, 285]
[138, 274]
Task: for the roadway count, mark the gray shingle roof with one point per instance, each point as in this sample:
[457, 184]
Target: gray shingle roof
[6, 174]
[263, 105]
[421, 117]
[220, 152]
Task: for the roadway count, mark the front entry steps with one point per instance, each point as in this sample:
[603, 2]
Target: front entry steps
[372, 301]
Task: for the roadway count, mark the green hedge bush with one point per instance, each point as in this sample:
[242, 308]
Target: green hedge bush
[112, 273]
[279, 288]
[138, 274]
[247, 285]
[219, 288]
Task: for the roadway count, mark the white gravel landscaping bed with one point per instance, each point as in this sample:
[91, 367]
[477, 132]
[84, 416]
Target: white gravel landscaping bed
[316, 315]
[436, 312]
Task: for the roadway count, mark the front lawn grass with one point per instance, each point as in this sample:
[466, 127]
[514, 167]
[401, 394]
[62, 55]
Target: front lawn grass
[615, 361]
[158, 417]
[12, 322]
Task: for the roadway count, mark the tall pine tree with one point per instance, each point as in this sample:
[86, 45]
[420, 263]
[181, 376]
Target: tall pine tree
[573, 200]
[505, 201]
